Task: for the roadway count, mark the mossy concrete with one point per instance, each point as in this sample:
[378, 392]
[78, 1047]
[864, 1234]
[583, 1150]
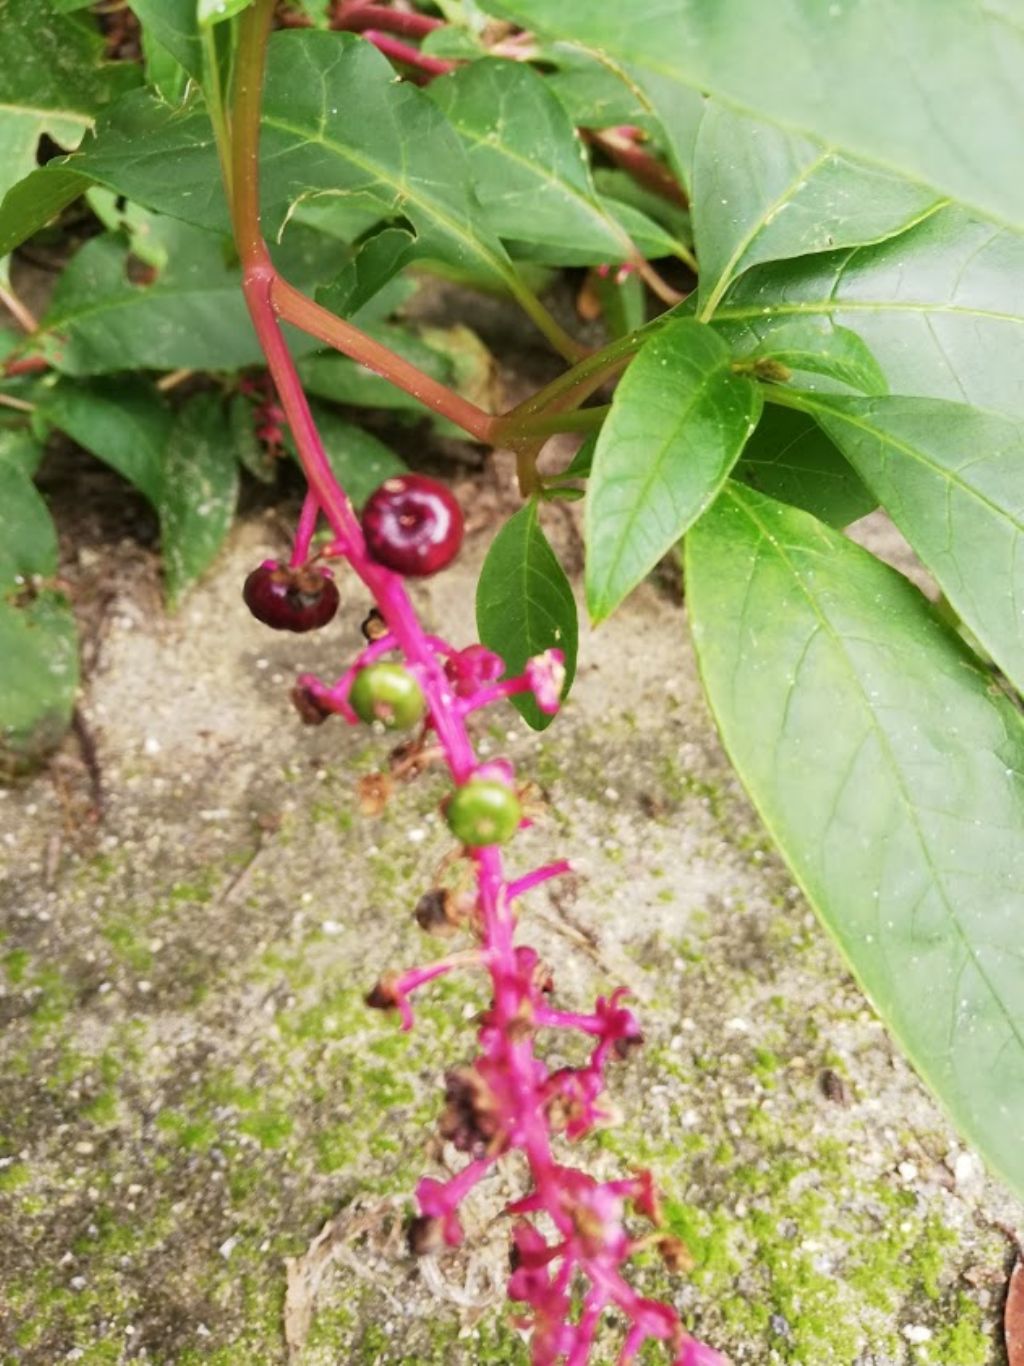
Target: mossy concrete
[191, 1085]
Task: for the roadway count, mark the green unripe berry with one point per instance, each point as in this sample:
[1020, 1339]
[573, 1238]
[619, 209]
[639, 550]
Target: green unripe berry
[483, 812]
[387, 693]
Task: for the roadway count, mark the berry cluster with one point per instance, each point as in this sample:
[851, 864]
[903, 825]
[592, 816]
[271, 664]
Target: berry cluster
[568, 1270]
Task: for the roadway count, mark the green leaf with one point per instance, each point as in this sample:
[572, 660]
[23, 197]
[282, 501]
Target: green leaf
[21, 449]
[790, 458]
[816, 346]
[34, 201]
[210, 12]
[39, 647]
[941, 308]
[929, 89]
[391, 149]
[360, 462]
[373, 267]
[199, 493]
[174, 24]
[250, 452]
[594, 94]
[950, 478]
[123, 422]
[678, 423]
[761, 193]
[528, 166]
[121, 215]
[524, 604]
[38, 641]
[583, 461]
[28, 543]
[190, 315]
[52, 80]
[892, 778]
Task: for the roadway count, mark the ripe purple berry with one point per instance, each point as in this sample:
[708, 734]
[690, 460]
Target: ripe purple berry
[413, 525]
[286, 599]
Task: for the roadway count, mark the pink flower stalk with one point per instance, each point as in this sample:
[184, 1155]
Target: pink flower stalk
[507, 1099]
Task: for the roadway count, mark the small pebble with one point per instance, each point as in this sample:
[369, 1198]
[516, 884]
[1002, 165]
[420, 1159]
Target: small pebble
[917, 1333]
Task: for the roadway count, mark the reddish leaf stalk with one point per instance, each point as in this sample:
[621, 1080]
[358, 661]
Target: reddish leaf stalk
[357, 17]
[408, 55]
[507, 1099]
[621, 147]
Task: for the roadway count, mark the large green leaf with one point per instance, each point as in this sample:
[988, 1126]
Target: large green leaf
[790, 458]
[679, 420]
[38, 641]
[951, 479]
[529, 169]
[892, 778]
[52, 80]
[123, 422]
[761, 193]
[941, 307]
[391, 149]
[524, 604]
[199, 493]
[191, 314]
[929, 89]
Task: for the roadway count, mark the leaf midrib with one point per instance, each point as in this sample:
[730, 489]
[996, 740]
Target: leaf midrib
[833, 305]
[768, 539]
[32, 111]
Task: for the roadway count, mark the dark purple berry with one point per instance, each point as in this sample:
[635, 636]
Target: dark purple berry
[286, 599]
[412, 525]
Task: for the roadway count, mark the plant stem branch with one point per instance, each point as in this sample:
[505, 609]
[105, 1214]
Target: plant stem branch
[550, 424]
[295, 307]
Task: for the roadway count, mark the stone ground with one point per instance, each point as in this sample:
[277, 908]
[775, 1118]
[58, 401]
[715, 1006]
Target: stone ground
[191, 1086]
[193, 904]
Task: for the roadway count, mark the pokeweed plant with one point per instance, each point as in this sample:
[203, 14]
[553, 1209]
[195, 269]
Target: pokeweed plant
[838, 179]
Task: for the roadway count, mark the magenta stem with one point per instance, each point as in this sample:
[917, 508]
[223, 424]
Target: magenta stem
[357, 17]
[308, 518]
[398, 51]
[509, 688]
[527, 883]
